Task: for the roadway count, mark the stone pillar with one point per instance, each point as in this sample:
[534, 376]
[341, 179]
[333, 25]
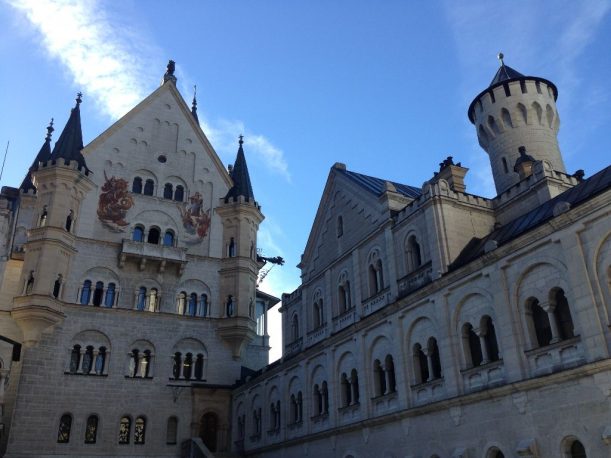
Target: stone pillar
[482, 344]
[549, 309]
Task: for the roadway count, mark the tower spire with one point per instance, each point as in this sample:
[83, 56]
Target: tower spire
[194, 104]
[43, 156]
[70, 143]
[239, 175]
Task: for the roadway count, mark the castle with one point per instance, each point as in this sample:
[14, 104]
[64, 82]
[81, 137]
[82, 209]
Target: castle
[430, 322]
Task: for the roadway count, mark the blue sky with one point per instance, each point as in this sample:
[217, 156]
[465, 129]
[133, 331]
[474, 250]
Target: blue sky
[382, 86]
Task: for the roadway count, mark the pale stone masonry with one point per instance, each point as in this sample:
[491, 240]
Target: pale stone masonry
[430, 322]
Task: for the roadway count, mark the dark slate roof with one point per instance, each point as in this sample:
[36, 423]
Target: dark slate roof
[241, 178]
[575, 196]
[70, 143]
[43, 156]
[504, 73]
[377, 186]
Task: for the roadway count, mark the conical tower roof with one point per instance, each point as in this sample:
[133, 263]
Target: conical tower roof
[70, 143]
[241, 178]
[43, 156]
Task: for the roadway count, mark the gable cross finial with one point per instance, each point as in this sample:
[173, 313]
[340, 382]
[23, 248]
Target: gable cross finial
[500, 57]
[79, 97]
[50, 129]
[241, 142]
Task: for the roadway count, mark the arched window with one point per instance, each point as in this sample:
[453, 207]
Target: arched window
[293, 409]
[577, 450]
[472, 346]
[346, 390]
[75, 359]
[354, 383]
[340, 226]
[562, 314]
[98, 293]
[376, 275]
[57, 286]
[231, 248]
[317, 312]
[141, 299]
[153, 299]
[192, 305]
[137, 185]
[153, 236]
[389, 370]
[433, 352]
[181, 302]
[86, 292]
[295, 327]
[414, 258]
[43, 217]
[317, 392]
[187, 366]
[87, 360]
[325, 398]
[100, 361]
[125, 427]
[492, 347]
[540, 322]
[179, 194]
[421, 366]
[495, 453]
[134, 363]
[203, 305]
[168, 191]
[171, 431]
[69, 220]
[168, 238]
[149, 187]
[91, 430]
[343, 293]
[299, 407]
[139, 430]
[138, 234]
[177, 364]
[379, 379]
[109, 299]
[199, 366]
[63, 431]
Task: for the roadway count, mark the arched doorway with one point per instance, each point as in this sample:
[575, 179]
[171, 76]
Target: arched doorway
[208, 430]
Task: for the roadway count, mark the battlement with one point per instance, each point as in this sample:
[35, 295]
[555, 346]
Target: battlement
[72, 165]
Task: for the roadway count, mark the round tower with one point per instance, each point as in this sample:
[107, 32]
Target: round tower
[516, 111]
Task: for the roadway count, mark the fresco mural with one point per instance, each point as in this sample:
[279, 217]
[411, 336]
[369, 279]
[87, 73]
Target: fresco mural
[114, 203]
[195, 220]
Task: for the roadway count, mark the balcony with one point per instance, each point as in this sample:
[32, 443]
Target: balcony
[316, 335]
[416, 279]
[344, 320]
[426, 392]
[385, 403]
[556, 356]
[482, 377]
[376, 302]
[161, 255]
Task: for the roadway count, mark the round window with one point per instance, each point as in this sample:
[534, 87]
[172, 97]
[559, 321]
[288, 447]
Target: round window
[161, 158]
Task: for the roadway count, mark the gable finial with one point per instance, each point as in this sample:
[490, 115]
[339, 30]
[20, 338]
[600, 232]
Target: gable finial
[50, 130]
[241, 141]
[500, 57]
[79, 97]
[169, 73]
[194, 104]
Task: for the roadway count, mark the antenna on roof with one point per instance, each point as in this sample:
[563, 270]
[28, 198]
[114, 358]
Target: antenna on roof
[4, 160]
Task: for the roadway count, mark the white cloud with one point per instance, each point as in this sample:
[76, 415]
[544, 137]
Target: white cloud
[104, 60]
[110, 62]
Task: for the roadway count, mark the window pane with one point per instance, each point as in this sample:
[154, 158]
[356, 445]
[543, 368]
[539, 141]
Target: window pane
[63, 433]
[139, 431]
[91, 431]
[124, 430]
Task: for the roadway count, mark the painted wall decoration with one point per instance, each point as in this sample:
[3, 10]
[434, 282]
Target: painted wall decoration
[195, 220]
[114, 203]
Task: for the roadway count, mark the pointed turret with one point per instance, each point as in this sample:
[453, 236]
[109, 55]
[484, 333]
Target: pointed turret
[70, 143]
[241, 178]
[43, 156]
[194, 104]
[505, 72]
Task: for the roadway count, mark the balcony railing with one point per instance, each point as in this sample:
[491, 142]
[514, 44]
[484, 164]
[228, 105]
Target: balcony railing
[557, 356]
[376, 302]
[344, 320]
[316, 335]
[485, 376]
[428, 391]
[149, 252]
[294, 346]
[416, 279]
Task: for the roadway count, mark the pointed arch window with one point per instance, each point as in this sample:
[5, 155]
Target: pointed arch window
[125, 428]
[109, 299]
[168, 191]
[91, 429]
[179, 194]
[149, 187]
[86, 292]
[139, 430]
[137, 185]
[63, 431]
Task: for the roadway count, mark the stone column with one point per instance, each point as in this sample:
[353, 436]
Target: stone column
[429, 362]
[549, 309]
[482, 343]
